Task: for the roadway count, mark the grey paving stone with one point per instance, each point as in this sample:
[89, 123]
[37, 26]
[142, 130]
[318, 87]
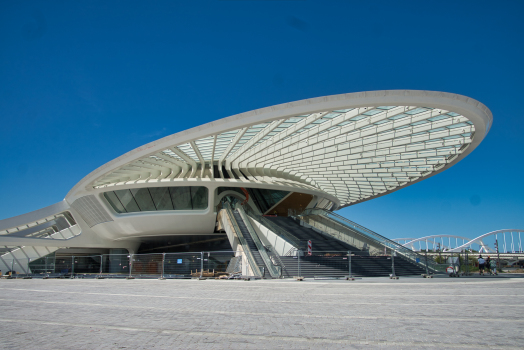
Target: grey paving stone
[377, 313]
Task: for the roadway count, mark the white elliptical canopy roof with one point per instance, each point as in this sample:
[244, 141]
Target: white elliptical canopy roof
[353, 146]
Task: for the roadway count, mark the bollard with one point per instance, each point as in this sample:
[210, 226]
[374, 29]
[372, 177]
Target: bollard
[72, 266]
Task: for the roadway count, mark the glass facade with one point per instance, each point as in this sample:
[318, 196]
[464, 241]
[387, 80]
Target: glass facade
[158, 198]
[265, 199]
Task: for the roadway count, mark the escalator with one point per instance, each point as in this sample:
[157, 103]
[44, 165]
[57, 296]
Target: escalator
[259, 259]
[251, 245]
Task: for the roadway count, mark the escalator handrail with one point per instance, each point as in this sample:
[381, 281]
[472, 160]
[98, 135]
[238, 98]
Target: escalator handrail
[273, 270]
[243, 242]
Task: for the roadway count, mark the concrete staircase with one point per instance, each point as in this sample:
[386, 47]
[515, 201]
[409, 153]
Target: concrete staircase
[337, 266]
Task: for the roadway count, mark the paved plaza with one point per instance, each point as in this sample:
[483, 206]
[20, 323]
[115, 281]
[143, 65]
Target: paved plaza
[471, 313]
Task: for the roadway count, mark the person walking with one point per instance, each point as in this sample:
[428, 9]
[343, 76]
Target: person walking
[493, 266]
[488, 265]
[481, 265]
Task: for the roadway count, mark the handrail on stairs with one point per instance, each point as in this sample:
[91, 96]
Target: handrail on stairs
[412, 256]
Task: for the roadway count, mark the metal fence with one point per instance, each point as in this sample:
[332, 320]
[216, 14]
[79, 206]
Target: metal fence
[222, 264]
[358, 230]
[345, 265]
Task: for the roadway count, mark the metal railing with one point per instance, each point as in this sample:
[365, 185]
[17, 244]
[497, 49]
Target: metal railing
[367, 234]
[218, 264]
[157, 265]
[346, 264]
[252, 263]
[274, 271]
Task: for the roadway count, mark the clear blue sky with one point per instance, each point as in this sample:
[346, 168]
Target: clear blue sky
[82, 82]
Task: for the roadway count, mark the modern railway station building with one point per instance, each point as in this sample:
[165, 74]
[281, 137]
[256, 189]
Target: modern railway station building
[265, 182]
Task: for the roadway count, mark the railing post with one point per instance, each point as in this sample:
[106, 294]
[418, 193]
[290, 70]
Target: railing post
[298, 257]
[427, 272]
[201, 264]
[466, 268]
[101, 262]
[350, 278]
[72, 266]
[163, 260]
[393, 276]
[498, 255]
[130, 266]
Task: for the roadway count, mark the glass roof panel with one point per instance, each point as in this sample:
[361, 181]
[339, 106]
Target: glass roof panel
[173, 155]
[416, 111]
[187, 149]
[398, 116]
[459, 125]
[373, 112]
[205, 146]
[438, 117]
[364, 173]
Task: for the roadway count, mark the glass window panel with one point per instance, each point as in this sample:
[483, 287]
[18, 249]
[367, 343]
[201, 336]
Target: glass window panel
[143, 199]
[199, 196]
[161, 198]
[181, 198]
[126, 198]
[115, 203]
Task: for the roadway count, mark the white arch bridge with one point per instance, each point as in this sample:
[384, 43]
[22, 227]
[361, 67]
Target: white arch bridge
[509, 241]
